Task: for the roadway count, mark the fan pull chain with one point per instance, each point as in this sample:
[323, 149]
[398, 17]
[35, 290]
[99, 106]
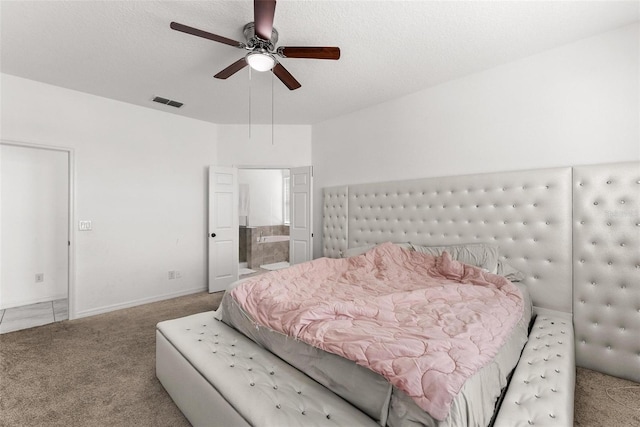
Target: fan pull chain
[272, 124]
[250, 103]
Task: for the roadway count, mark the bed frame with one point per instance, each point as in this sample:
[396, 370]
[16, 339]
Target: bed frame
[548, 224]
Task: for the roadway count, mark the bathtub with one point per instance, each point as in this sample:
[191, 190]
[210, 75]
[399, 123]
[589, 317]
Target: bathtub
[272, 239]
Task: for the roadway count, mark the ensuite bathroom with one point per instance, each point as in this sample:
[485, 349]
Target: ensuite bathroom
[264, 220]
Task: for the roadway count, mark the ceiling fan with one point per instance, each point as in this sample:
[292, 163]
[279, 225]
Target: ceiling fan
[261, 39]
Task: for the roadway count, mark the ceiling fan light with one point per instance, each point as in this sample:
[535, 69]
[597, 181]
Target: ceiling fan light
[260, 61]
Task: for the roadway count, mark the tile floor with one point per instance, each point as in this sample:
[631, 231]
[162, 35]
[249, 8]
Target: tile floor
[275, 265]
[29, 316]
[256, 272]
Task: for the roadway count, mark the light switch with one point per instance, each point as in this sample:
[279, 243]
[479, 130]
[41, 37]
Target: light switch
[84, 225]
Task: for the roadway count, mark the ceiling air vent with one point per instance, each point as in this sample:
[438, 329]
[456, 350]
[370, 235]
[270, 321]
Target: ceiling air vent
[166, 101]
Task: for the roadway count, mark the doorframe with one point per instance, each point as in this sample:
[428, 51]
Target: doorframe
[279, 167]
[71, 251]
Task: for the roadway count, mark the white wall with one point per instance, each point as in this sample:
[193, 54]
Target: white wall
[265, 195]
[34, 204]
[289, 147]
[140, 178]
[576, 104]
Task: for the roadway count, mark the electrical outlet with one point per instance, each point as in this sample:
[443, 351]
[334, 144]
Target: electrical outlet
[172, 275]
[39, 277]
[178, 274]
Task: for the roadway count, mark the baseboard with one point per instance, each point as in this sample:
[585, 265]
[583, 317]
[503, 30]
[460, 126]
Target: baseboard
[13, 304]
[113, 307]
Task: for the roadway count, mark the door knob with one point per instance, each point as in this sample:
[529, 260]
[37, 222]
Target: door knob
[213, 234]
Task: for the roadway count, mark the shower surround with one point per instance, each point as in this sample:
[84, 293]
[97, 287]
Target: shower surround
[255, 251]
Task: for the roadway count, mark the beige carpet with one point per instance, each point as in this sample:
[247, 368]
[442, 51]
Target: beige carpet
[95, 371]
[602, 400]
[100, 371]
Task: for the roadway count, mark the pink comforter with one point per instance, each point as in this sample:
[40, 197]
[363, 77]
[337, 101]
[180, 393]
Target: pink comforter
[425, 323]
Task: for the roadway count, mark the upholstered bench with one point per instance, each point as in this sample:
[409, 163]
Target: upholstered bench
[541, 391]
[217, 376]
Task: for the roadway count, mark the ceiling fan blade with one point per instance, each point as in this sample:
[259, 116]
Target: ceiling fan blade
[285, 77]
[309, 52]
[263, 12]
[196, 32]
[232, 69]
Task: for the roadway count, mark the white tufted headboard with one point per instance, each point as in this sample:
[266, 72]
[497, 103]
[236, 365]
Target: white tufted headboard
[574, 232]
[606, 265]
[528, 214]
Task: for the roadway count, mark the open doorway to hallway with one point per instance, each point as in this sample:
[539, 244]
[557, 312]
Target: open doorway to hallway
[34, 235]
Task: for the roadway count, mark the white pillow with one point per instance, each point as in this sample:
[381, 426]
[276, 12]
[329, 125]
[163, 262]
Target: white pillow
[362, 249]
[509, 272]
[483, 255]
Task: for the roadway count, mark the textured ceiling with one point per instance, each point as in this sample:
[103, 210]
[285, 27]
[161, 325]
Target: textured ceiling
[124, 50]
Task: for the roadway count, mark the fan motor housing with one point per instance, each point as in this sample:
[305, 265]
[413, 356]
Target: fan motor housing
[254, 41]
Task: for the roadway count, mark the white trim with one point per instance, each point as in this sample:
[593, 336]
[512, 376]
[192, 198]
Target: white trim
[113, 307]
[71, 267]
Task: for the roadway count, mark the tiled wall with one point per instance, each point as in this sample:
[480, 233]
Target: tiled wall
[256, 254]
[245, 237]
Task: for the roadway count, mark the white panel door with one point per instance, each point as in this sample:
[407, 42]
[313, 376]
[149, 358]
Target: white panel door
[301, 225]
[223, 227]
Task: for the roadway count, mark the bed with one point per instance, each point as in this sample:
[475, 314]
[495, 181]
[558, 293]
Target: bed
[383, 401]
[526, 214]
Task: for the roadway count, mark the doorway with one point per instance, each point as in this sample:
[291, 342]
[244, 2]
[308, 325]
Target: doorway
[264, 218]
[35, 212]
[224, 220]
